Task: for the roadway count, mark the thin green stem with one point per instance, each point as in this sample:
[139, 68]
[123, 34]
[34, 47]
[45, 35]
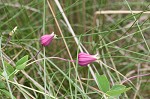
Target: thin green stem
[44, 15]
[5, 73]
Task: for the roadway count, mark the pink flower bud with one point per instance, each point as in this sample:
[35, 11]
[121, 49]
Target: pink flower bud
[45, 40]
[84, 59]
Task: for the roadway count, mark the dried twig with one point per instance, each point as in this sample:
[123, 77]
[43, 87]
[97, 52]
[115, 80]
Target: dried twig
[117, 12]
[20, 6]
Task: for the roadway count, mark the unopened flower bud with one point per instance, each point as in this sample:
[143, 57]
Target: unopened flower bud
[84, 59]
[45, 40]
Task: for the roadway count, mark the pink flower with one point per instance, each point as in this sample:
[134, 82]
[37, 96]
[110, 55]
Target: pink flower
[84, 59]
[45, 40]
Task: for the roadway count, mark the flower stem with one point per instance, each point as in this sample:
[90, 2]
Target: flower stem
[133, 77]
[8, 39]
[51, 58]
[36, 54]
[63, 59]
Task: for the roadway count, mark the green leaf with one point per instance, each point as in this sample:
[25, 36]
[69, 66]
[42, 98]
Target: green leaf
[2, 84]
[117, 90]
[118, 87]
[1, 73]
[103, 82]
[21, 64]
[5, 92]
[21, 67]
[22, 60]
[9, 70]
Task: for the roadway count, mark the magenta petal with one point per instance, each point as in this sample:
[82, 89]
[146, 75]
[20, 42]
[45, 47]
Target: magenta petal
[47, 39]
[84, 59]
